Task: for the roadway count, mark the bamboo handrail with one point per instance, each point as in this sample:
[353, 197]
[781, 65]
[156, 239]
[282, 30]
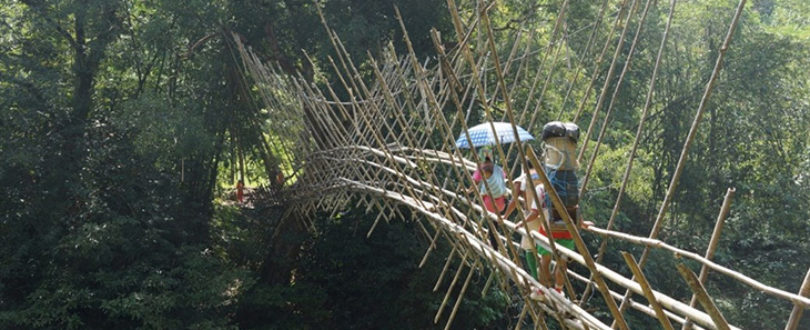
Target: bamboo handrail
[524, 278]
[654, 243]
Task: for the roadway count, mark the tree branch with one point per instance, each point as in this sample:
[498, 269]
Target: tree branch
[64, 33]
[28, 86]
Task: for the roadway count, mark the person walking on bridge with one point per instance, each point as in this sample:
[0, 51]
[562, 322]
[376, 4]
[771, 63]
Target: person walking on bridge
[494, 197]
[521, 187]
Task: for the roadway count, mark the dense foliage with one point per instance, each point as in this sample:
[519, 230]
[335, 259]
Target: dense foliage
[124, 123]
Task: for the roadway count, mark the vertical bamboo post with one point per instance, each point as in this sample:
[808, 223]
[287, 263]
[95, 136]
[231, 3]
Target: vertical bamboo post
[488, 284]
[676, 176]
[609, 78]
[636, 141]
[432, 246]
[796, 314]
[461, 294]
[718, 228]
[645, 285]
[521, 316]
[703, 297]
[583, 182]
[444, 270]
[450, 288]
[371, 230]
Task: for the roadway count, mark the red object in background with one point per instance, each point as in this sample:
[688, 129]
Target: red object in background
[240, 187]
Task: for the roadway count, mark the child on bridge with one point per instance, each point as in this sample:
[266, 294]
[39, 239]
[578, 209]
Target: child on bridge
[495, 197]
[522, 187]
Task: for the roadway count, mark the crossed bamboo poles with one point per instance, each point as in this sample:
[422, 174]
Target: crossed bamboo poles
[377, 145]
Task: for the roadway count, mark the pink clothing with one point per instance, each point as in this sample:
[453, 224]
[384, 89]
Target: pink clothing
[477, 175]
[500, 202]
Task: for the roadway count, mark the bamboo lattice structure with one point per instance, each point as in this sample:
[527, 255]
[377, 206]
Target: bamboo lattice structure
[386, 140]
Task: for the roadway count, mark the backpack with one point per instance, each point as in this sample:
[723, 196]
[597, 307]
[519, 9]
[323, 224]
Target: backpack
[561, 165]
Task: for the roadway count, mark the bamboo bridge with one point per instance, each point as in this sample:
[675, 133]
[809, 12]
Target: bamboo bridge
[377, 147]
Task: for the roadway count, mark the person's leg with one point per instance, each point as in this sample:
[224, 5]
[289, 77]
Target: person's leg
[493, 240]
[488, 203]
[559, 274]
[562, 264]
[545, 270]
[544, 275]
[531, 263]
[500, 204]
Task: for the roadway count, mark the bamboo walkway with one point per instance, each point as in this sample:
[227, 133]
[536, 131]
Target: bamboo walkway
[377, 147]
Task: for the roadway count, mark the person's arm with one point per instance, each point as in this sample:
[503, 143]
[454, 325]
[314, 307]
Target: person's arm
[585, 224]
[533, 215]
[476, 179]
[515, 199]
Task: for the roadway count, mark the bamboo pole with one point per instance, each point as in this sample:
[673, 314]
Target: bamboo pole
[638, 306]
[645, 286]
[444, 269]
[654, 243]
[521, 316]
[450, 288]
[796, 314]
[597, 64]
[581, 61]
[636, 140]
[487, 284]
[461, 295]
[703, 297]
[601, 98]
[627, 61]
[659, 220]
[718, 228]
[371, 230]
[432, 246]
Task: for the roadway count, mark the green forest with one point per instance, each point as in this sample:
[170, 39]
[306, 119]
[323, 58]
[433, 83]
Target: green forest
[126, 125]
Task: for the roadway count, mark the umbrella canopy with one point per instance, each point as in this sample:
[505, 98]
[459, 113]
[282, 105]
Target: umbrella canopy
[482, 135]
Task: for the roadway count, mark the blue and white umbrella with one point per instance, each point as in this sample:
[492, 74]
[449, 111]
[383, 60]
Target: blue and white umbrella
[482, 135]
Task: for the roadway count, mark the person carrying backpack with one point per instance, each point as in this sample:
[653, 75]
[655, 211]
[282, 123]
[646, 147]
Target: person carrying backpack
[560, 165]
[522, 187]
